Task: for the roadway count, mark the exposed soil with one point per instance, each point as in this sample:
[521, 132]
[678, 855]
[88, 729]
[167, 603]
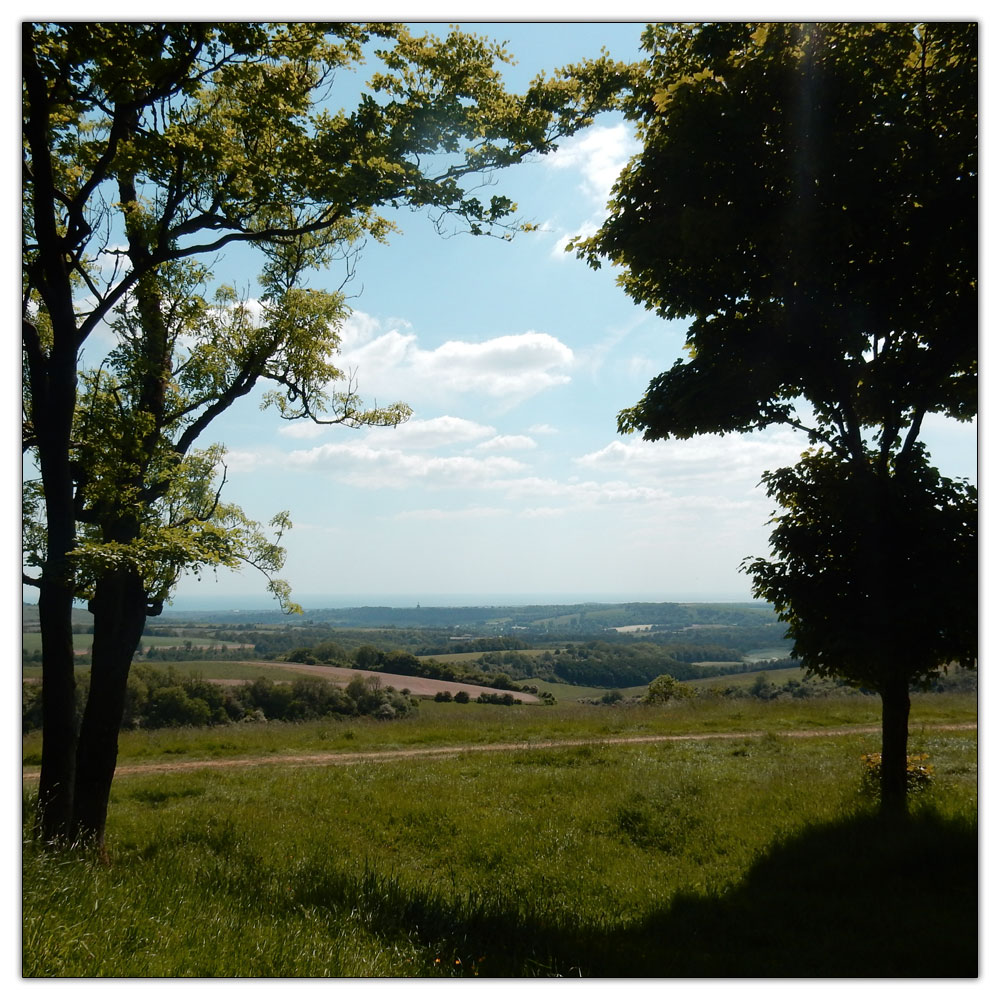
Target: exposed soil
[374, 756]
[416, 685]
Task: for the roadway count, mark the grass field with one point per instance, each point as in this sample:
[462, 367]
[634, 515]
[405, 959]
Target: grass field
[248, 670]
[469, 657]
[749, 856]
[777, 677]
[31, 642]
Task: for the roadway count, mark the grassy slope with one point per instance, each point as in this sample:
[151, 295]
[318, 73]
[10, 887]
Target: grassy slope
[747, 857]
[32, 642]
[451, 724]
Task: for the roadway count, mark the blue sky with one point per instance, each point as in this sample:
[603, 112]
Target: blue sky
[509, 481]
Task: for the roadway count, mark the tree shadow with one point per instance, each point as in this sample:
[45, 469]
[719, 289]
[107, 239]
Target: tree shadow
[860, 897]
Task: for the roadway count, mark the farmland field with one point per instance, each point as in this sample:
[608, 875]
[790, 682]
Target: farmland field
[31, 642]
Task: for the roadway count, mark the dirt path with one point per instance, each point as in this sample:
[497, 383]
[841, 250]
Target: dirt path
[334, 758]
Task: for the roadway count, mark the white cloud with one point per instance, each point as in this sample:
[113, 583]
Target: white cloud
[507, 442]
[599, 154]
[302, 430]
[361, 464]
[709, 458]
[519, 365]
[584, 230]
[437, 514]
[246, 461]
[510, 368]
[359, 329]
[434, 432]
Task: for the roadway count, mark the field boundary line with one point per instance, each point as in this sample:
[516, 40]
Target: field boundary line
[341, 758]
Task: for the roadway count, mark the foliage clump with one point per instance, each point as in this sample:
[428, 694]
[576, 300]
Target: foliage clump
[666, 688]
[161, 698]
[918, 773]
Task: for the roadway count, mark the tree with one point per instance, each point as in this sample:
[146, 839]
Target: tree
[148, 151]
[876, 576]
[806, 195]
[665, 688]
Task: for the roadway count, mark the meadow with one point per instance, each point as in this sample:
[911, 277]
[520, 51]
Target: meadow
[31, 642]
[754, 855]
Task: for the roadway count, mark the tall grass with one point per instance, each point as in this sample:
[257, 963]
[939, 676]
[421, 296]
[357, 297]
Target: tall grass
[754, 856]
[442, 724]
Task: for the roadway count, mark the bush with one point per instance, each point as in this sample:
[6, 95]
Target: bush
[462, 697]
[666, 688]
[156, 698]
[918, 774]
[487, 698]
[172, 706]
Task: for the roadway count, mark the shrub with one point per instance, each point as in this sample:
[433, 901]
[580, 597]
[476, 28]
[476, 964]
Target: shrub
[462, 697]
[172, 706]
[156, 698]
[666, 688]
[487, 698]
[918, 774]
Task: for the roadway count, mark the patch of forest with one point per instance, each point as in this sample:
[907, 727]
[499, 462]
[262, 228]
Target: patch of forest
[590, 617]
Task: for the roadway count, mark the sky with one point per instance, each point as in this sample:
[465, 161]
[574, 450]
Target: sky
[509, 482]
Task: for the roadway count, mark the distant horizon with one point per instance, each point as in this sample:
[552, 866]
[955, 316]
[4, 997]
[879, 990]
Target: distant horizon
[254, 602]
[309, 602]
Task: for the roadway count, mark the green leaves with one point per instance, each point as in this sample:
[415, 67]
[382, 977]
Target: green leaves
[876, 575]
[806, 198]
[790, 201]
[147, 498]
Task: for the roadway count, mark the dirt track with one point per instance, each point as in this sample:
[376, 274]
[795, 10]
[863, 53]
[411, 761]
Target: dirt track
[375, 756]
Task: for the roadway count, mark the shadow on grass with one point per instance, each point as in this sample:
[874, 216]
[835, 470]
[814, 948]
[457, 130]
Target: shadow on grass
[856, 898]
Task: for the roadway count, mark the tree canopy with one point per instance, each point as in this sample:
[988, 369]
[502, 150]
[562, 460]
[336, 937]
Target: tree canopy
[806, 196]
[149, 150]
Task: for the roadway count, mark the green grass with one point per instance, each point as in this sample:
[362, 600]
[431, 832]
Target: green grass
[247, 670]
[467, 657]
[777, 677]
[443, 724]
[770, 653]
[32, 641]
[577, 692]
[746, 857]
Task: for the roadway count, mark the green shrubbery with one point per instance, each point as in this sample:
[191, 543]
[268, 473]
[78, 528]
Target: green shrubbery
[158, 698]
[919, 774]
[666, 688]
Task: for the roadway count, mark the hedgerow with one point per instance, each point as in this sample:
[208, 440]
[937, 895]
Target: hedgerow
[157, 698]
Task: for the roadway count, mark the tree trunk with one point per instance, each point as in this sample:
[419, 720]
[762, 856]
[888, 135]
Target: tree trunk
[53, 819]
[119, 608]
[53, 391]
[895, 734]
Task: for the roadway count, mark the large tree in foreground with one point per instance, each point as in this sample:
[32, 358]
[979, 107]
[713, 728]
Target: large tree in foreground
[148, 151]
[806, 195]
